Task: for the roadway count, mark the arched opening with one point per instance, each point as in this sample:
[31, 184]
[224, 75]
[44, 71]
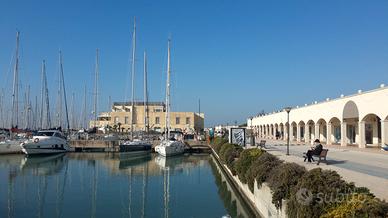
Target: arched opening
[293, 132]
[271, 131]
[281, 129]
[287, 131]
[372, 130]
[277, 132]
[350, 120]
[301, 132]
[334, 130]
[321, 131]
[310, 131]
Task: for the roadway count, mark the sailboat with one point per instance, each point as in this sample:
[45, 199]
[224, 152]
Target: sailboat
[136, 146]
[169, 146]
[12, 145]
[50, 141]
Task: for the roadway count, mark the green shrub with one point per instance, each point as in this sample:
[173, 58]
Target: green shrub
[226, 152]
[260, 169]
[217, 143]
[282, 179]
[316, 192]
[245, 160]
[359, 205]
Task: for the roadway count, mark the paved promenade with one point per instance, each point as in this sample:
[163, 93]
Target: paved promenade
[364, 167]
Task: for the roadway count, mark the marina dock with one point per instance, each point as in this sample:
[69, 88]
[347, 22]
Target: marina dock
[113, 146]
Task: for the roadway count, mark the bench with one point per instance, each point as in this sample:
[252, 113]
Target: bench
[261, 144]
[321, 157]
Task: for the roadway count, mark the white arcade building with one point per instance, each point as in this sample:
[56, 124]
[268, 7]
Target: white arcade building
[360, 120]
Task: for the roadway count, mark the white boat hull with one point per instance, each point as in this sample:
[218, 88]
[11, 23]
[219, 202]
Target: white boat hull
[45, 145]
[42, 151]
[10, 147]
[170, 148]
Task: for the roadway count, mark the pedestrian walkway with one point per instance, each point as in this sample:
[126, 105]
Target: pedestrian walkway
[364, 168]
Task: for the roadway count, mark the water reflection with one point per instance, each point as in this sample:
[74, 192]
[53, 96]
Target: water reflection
[233, 202]
[109, 185]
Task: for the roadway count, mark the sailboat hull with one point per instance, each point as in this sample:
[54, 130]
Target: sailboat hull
[10, 147]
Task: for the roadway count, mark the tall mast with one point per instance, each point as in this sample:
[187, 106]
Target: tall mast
[64, 90]
[85, 112]
[42, 94]
[168, 90]
[96, 88]
[145, 95]
[15, 88]
[72, 112]
[59, 103]
[1, 109]
[133, 75]
[27, 108]
[46, 93]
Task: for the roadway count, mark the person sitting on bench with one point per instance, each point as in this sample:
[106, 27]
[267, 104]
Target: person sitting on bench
[314, 151]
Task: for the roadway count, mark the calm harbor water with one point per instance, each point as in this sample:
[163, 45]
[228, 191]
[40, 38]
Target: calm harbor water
[109, 185]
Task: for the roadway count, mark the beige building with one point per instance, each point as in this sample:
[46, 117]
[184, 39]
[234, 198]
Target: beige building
[360, 120]
[121, 116]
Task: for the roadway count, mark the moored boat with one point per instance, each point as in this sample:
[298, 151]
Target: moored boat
[46, 142]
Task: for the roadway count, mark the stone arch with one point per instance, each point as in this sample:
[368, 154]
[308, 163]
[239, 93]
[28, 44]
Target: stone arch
[350, 110]
[321, 130]
[301, 131]
[293, 131]
[371, 134]
[282, 131]
[310, 131]
[350, 118]
[334, 131]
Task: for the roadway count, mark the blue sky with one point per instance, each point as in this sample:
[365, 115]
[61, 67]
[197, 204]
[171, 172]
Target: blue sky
[238, 57]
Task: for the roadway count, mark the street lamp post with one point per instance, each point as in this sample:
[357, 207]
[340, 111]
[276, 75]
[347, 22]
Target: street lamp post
[288, 109]
[252, 139]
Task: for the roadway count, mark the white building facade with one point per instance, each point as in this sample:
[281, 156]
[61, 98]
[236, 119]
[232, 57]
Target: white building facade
[360, 120]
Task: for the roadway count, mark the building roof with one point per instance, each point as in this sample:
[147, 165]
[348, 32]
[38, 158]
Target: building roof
[136, 103]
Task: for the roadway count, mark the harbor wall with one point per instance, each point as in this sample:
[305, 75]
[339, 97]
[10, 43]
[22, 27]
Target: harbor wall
[261, 198]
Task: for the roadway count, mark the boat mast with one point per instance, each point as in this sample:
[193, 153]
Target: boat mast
[96, 88]
[146, 124]
[64, 90]
[1, 108]
[59, 103]
[42, 94]
[27, 108]
[168, 91]
[15, 88]
[85, 111]
[133, 75]
[48, 118]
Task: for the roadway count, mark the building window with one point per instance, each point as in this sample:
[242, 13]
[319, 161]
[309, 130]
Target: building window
[188, 120]
[116, 120]
[157, 120]
[177, 120]
[157, 110]
[126, 120]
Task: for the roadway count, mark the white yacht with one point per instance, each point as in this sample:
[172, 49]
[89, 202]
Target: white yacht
[46, 142]
[169, 146]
